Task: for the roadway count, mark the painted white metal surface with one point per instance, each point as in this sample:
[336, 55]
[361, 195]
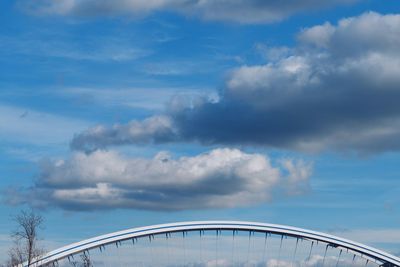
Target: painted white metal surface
[212, 225]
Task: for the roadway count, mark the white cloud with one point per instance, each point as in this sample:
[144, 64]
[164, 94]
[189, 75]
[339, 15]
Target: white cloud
[355, 37]
[336, 90]
[153, 129]
[319, 35]
[106, 179]
[242, 11]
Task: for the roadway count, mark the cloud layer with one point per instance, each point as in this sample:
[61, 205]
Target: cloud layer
[107, 180]
[338, 89]
[242, 11]
[156, 129]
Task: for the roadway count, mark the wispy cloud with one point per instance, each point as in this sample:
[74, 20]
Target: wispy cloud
[98, 50]
[152, 98]
[182, 67]
[24, 125]
[371, 236]
[242, 11]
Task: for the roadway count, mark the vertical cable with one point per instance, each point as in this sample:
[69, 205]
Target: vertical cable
[102, 250]
[338, 259]
[118, 253]
[184, 248]
[252, 246]
[201, 247]
[280, 249]
[352, 262]
[216, 248]
[265, 249]
[326, 249]
[151, 237]
[167, 241]
[248, 248]
[309, 255]
[300, 261]
[295, 251]
[134, 249]
[233, 246]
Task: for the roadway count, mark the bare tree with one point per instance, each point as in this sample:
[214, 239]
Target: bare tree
[16, 255]
[26, 238]
[86, 262]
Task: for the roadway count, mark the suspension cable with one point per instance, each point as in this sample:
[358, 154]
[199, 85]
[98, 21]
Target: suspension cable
[280, 249]
[352, 262]
[323, 260]
[295, 251]
[248, 249]
[201, 247]
[233, 246]
[338, 259]
[118, 253]
[184, 248]
[168, 254]
[309, 255]
[265, 247]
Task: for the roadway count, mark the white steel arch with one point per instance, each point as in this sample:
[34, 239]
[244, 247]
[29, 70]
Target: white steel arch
[61, 253]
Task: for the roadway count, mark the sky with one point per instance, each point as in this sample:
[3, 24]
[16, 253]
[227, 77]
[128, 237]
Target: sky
[125, 113]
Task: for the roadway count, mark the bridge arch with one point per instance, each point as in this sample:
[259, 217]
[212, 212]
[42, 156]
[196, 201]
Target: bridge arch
[380, 258]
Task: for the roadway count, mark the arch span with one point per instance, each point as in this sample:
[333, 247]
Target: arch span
[380, 257]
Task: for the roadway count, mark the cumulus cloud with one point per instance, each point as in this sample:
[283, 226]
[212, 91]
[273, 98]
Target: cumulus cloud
[156, 129]
[313, 261]
[338, 89]
[106, 180]
[242, 11]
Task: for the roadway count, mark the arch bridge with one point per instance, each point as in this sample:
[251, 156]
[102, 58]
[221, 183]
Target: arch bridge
[216, 244]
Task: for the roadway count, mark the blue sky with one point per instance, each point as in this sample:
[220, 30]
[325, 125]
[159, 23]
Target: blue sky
[126, 113]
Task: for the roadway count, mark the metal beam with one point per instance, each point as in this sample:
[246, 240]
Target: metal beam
[386, 258]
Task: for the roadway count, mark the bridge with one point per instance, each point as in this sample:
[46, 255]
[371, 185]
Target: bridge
[216, 244]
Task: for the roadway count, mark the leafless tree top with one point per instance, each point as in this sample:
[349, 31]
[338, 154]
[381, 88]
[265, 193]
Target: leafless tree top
[28, 223]
[26, 236]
